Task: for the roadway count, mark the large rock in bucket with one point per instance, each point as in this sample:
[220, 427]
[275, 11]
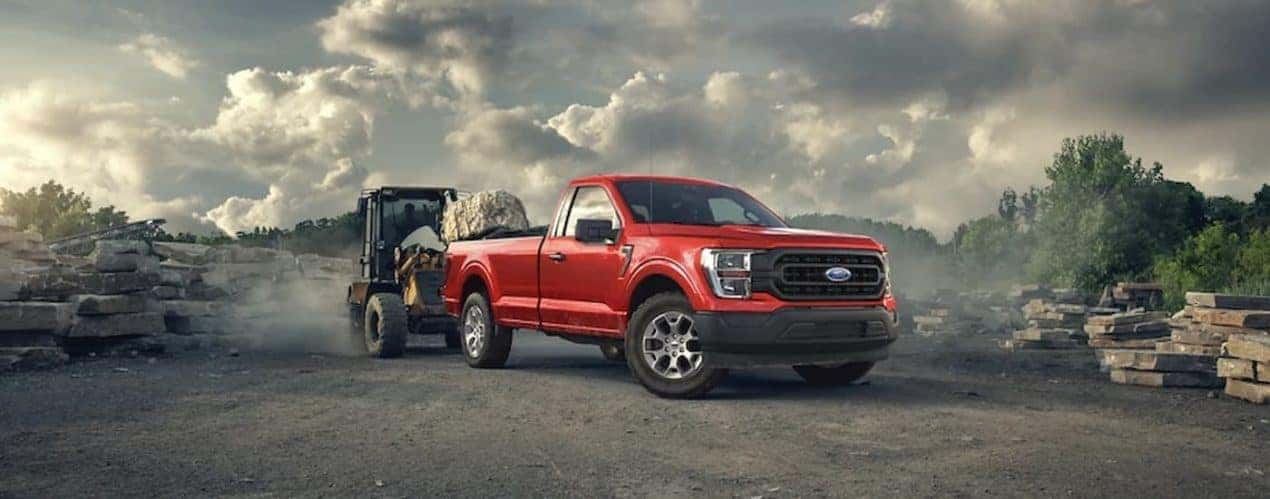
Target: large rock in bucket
[482, 213]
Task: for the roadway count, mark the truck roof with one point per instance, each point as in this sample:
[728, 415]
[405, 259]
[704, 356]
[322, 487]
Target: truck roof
[617, 177]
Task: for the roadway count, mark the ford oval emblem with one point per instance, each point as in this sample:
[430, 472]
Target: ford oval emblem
[838, 274]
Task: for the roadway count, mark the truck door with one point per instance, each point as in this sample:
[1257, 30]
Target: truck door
[576, 279]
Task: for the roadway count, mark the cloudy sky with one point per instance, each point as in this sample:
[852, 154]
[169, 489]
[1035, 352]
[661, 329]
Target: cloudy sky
[238, 113]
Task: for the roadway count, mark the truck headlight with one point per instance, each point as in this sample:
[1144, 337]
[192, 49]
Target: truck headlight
[728, 271]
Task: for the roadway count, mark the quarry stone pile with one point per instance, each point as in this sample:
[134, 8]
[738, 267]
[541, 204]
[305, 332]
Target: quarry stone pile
[1052, 323]
[1133, 295]
[1136, 330]
[134, 296]
[481, 214]
[1239, 326]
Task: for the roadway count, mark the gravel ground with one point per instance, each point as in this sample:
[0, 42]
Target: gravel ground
[952, 419]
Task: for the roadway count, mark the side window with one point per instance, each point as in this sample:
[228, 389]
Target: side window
[566, 202]
[727, 211]
[590, 202]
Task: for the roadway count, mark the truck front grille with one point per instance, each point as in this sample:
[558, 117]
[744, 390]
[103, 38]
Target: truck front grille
[802, 275]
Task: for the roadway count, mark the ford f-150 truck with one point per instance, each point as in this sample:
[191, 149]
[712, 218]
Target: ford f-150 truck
[684, 278]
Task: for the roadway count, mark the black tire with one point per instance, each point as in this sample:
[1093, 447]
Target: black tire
[385, 326]
[494, 342]
[453, 339]
[834, 376]
[614, 353]
[695, 384]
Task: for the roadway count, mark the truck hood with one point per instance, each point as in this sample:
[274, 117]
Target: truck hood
[754, 237]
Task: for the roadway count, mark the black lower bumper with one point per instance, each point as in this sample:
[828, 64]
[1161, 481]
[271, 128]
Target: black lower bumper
[794, 336]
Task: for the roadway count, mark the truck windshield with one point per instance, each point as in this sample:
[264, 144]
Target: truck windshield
[694, 204]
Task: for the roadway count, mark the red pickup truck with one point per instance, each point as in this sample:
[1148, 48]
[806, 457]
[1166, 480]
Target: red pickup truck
[684, 279]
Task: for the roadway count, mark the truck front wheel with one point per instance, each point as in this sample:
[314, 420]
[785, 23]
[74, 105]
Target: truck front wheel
[834, 376]
[664, 350]
[385, 326]
[485, 343]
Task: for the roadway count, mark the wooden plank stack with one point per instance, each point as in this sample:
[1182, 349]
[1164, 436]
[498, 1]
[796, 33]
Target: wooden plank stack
[1243, 325]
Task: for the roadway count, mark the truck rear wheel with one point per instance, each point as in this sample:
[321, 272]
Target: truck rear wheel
[834, 376]
[664, 351]
[485, 343]
[385, 326]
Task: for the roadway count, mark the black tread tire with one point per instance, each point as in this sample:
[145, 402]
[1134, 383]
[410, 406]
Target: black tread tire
[498, 339]
[386, 326]
[453, 339]
[615, 353]
[693, 386]
[834, 376]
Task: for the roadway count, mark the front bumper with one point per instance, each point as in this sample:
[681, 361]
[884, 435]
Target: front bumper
[795, 336]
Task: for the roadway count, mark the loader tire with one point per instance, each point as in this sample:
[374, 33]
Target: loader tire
[386, 326]
[485, 343]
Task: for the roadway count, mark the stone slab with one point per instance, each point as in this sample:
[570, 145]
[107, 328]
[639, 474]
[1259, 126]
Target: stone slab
[28, 316]
[1248, 346]
[121, 247]
[1228, 367]
[1253, 319]
[186, 326]
[1197, 337]
[192, 308]
[107, 304]
[55, 284]
[111, 326]
[1257, 393]
[1230, 302]
[27, 339]
[1139, 344]
[1170, 347]
[1165, 379]
[1043, 335]
[1015, 345]
[1146, 360]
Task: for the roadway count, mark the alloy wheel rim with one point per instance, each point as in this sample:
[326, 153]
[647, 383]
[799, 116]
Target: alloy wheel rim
[672, 348]
[474, 331]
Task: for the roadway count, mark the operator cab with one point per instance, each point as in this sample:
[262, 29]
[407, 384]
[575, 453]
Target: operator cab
[392, 215]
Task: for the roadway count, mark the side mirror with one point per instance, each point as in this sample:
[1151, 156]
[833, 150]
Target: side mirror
[595, 231]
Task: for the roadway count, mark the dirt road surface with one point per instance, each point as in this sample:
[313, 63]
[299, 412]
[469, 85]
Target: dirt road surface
[952, 419]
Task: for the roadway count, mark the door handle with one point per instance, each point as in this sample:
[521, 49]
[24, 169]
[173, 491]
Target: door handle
[556, 257]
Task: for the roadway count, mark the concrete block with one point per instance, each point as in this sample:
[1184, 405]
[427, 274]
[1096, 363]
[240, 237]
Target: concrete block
[1257, 393]
[110, 326]
[1228, 367]
[34, 316]
[107, 304]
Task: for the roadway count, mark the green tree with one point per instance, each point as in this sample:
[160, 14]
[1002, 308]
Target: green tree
[1206, 262]
[1105, 217]
[990, 251]
[1258, 214]
[56, 211]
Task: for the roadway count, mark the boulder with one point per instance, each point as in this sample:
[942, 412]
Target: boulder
[482, 213]
[110, 326]
[34, 316]
[107, 304]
